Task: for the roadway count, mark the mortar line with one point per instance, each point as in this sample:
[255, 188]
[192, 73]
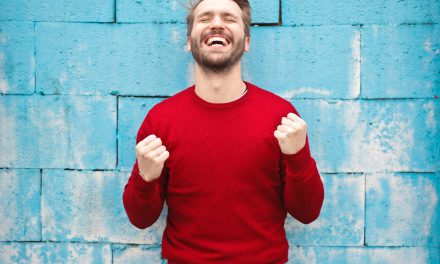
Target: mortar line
[41, 204]
[117, 131]
[114, 11]
[280, 13]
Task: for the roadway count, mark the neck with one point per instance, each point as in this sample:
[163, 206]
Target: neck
[219, 87]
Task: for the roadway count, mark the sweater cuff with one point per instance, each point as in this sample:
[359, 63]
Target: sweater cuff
[298, 161]
[143, 186]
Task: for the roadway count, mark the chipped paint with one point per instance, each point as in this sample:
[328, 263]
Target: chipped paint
[8, 138]
[306, 90]
[430, 120]
[427, 45]
[398, 200]
[4, 85]
[355, 66]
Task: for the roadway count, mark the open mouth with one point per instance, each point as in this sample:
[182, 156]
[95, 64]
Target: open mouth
[216, 41]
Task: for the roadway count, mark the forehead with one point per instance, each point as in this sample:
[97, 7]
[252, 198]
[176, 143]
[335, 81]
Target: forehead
[218, 6]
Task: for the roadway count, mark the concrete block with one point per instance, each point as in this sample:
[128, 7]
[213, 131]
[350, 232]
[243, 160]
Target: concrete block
[55, 253]
[124, 254]
[112, 58]
[315, 62]
[20, 211]
[58, 132]
[363, 255]
[56, 10]
[86, 206]
[170, 11]
[373, 135]
[175, 11]
[402, 209]
[17, 62]
[400, 61]
[321, 12]
[341, 222]
[131, 114]
[265, 11]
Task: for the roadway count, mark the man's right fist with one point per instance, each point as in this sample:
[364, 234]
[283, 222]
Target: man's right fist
[151, 156]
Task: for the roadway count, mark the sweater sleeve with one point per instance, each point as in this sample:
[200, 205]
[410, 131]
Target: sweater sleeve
[143, 201]
[303, 192]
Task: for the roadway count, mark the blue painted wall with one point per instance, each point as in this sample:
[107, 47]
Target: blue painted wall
[78, 77]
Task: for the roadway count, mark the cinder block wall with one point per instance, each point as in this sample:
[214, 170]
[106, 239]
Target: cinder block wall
[78, 77]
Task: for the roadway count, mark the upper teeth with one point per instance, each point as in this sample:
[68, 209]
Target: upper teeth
[212, 39]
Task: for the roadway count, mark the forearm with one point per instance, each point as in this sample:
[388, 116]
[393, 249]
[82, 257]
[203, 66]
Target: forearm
[143, 201]
[304, 190]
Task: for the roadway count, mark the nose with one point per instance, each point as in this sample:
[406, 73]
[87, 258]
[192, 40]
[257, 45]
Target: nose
[217, 22]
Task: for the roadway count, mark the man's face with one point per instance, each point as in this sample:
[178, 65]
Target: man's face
[217, 40]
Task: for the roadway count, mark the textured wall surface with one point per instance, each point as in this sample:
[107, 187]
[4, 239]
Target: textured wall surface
[78, 77]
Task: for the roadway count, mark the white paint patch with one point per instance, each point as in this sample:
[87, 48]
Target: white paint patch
[4, 86]
[427, 45]
[54, 132]
[306, 90]
[411, 207]
[8, 132]
[190, 70]
[375, 30]
[3, 38]
[9, 252]
[138, 255]
[414, 255]
[82, 46]
[9, 210]
[305, 255]
[430, 120]
[352, 119]
[346, 192]
[176, 36]
[62, 78]
[385, 144]
[174, 5]
[354, 69]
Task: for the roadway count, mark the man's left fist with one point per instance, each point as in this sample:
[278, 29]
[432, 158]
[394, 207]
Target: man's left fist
[291, 134]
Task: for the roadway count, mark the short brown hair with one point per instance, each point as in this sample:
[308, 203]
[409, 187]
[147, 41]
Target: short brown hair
[243, 4]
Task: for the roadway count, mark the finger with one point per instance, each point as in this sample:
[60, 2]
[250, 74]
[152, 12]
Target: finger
[279, 135]
[284, 128]
[163, 157]
[293, 116]
[158, 151]
[288, 122]
[153, 145]
[147, 140]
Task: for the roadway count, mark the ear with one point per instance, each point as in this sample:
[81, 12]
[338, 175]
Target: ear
[188, 43]
[247, 44]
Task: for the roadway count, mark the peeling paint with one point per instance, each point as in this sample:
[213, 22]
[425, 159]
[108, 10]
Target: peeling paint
[306, 90]
[4, 85]
[355, 66]
[8, 138]
[430, 120]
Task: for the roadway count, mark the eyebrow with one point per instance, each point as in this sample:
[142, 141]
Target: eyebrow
[210, 13]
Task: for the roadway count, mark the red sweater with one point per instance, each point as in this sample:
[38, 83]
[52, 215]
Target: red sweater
[227, 185]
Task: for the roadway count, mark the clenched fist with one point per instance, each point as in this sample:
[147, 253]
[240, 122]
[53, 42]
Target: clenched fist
[151, 156]
[291, 134]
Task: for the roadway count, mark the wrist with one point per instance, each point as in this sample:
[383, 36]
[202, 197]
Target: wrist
[144, 177]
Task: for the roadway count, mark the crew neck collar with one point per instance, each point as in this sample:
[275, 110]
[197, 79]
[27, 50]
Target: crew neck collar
[238, 101]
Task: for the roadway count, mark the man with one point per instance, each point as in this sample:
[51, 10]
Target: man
[229, 158]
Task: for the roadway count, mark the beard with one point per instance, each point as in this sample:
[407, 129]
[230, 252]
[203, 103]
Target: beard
[220, 64]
